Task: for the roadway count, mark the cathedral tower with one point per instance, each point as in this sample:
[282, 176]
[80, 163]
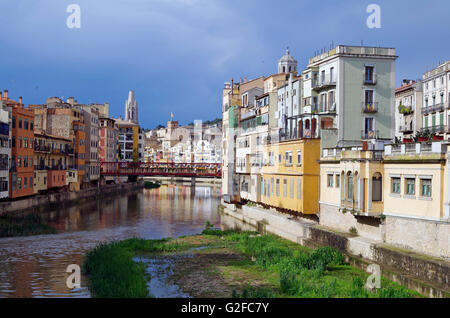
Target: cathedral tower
[131, 109]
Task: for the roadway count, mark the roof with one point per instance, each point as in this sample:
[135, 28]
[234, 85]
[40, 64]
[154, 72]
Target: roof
[287, 57]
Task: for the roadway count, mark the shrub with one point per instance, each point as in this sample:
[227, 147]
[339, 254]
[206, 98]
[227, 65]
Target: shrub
[324, 257]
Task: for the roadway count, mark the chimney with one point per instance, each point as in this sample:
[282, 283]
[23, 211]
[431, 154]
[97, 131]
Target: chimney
[6, 94]
[1, 97]
[20, 100]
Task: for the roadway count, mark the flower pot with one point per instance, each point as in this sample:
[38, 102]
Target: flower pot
[422, 139]
[407, 140]
[438, 138]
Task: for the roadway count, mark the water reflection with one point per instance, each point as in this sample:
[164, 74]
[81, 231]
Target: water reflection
[36, 266]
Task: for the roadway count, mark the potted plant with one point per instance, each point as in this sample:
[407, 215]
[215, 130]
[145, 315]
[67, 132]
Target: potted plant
[404, 110]
[407, 140]
[423, 136]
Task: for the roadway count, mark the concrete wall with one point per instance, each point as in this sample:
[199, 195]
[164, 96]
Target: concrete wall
[331, 217]
[427, 237]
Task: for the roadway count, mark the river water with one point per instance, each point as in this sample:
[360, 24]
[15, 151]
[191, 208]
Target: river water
[36, 266]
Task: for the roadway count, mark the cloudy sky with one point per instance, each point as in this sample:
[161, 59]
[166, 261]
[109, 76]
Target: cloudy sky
[176, 54]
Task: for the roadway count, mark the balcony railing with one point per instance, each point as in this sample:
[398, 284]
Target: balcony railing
[370, 134]
[41, 148]
[370, 107]
[405, 129]
[370, 80]
[330, 108]
[324, 83]
[433, 109]
[437, 129]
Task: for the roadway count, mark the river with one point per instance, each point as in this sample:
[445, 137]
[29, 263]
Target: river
[36, 266]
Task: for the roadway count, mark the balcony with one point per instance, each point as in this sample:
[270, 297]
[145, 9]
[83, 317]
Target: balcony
[369, 107]
[406, 129]
[330, 108]
[370, 80]
[324, 83]
[433, 109]
[41, 168]
[370, 134]
[437, 129]
[41, 148]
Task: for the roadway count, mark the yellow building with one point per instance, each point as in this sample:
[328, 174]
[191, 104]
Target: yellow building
[40, 181]
[351, 191]
[398, 196]
[290, 176]
[414, 180]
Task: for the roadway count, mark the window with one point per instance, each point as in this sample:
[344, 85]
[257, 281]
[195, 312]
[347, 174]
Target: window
[25, 182]
[272, 186]
[299, 158]
[426, 187]
[338, 181]
[299, 188]
[396, 185]
[330, 178]
[349, 186]
[19, 183]
[14, 122]
[20, 123]
[19, 161]
[369, 74]
[410, 186]
[291, 189]
[25, 124]
[278, 187]
[377, 187]
[285, 188]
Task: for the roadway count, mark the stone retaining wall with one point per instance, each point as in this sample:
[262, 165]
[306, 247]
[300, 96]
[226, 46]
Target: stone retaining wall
[39, 202]
[427, 275]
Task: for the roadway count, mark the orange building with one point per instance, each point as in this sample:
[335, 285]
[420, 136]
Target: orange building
[22, 152]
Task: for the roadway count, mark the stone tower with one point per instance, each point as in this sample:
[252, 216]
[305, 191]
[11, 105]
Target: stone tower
[131, 109]
[287, 64]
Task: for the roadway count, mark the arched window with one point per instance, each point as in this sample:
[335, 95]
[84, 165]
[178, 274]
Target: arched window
[349, 186]
[300, 128]
[307, 125]
[377, 187]
[314, 127]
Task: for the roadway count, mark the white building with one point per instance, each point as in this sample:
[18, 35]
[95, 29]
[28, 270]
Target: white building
[5, 150]
[408, 110]
[436, 100]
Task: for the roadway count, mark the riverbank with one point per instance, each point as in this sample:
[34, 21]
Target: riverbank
[231, 264]
[39, 203]
[427, 275]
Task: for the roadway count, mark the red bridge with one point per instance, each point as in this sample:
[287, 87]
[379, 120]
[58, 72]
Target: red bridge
[161, 169]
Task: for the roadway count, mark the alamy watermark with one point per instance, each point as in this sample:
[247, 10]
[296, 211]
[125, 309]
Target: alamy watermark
[74, 19]
[74, 279]
[374, 19]
[373, 281]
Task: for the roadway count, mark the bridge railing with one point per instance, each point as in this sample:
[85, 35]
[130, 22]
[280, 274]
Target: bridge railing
[161, 169]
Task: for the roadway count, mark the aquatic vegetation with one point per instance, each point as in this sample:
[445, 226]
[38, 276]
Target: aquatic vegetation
[24, 225]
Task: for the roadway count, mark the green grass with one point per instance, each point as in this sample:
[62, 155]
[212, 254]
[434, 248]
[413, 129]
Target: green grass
[31, 224]
[321, 273]
[114, 274]
[285, 269]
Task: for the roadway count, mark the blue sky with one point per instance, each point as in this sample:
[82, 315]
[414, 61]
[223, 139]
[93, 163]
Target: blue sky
[176, 54]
